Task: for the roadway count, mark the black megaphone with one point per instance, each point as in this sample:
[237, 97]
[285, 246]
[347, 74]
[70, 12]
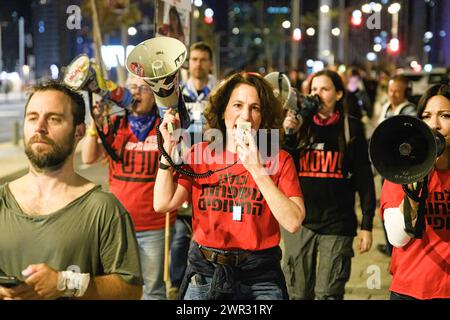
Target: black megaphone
[404, 149]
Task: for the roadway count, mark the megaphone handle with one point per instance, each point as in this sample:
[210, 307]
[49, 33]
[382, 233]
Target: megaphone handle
[100, 133]
[170, 127]
[419, 196]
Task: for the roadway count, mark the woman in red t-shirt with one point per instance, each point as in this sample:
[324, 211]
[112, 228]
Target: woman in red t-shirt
[421, 267]
[237, 211]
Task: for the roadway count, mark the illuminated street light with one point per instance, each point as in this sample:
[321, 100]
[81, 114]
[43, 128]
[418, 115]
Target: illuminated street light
[371, 7]
[394, 46]
[132, 31]
[366, 8]
[377, 47]
[209, 12]
[286, 24]
[371, 56]
[310, 32]
[26, 73]
[196, 13]
[377, 7]
[356, 18]
[54, 71]
[325, 9]
[414, 64]
[394, 8]
[428, 35]
[336, 32]
[297, 34]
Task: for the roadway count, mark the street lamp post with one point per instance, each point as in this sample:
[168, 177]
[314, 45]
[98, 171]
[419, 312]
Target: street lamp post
[394, 10]
[2, 24]
[1, 49]
[295, 17]
[394, 44]
[324, 30]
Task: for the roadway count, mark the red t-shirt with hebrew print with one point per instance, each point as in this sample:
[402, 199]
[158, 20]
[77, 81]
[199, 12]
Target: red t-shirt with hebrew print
[132, 180]
[214, 198]
[421, 269]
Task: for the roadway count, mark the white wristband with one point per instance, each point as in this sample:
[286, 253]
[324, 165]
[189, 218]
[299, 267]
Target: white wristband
[73, 283]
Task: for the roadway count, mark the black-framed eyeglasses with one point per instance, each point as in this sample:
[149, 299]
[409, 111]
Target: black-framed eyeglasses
[142, 88]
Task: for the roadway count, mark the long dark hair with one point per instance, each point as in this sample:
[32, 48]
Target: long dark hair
[437, 90]
[307, 135]
[179, 27]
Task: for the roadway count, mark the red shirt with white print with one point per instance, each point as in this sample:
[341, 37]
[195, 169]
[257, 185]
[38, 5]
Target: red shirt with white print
[213, 200]
[421, 269]
[132, 180]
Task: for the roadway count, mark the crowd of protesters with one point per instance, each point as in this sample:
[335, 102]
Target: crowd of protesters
[227, 226]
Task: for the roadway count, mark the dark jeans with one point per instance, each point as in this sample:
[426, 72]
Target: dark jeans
[398, 296]
[199, 287]
[179, 249]
[259, 277]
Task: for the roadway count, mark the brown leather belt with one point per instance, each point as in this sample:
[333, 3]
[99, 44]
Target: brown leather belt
[225, 259]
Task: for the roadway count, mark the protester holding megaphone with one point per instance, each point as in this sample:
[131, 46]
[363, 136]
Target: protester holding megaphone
[132, 137]
[296, 105]
[330, 151]
[157, 62]
[419, 227]
[237, 211]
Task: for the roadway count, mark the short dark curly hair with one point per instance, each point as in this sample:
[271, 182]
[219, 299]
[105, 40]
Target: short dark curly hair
[272, 114]
[78, 105]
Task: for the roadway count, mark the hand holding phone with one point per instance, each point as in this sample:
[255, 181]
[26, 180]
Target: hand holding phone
[9, 281]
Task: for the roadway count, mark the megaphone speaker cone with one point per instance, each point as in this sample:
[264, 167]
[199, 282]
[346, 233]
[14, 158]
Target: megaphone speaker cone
[281, 86]
[156, 58]
[77, 72]
[403, 149]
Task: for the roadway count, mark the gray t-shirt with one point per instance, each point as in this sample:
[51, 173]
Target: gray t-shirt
[92, 234]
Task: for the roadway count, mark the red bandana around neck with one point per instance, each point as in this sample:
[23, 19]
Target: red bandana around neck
[328, 121]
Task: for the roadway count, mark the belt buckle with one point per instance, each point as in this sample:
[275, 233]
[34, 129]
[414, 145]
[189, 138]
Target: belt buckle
[236, 260]
[214, 256]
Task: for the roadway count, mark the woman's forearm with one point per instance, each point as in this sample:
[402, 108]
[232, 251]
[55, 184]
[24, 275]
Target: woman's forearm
[289, 212]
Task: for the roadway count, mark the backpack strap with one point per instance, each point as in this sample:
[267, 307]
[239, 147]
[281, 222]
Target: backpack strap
[346, 130]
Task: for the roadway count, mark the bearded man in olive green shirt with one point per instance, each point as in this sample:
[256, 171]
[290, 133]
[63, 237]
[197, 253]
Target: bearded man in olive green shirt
[59, 233]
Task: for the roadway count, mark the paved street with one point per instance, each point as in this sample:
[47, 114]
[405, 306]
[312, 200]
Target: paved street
[11, 112]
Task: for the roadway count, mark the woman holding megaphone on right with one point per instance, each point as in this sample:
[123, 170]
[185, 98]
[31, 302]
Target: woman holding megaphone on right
[421, 264]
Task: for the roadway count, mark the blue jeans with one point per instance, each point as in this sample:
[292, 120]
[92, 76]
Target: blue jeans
[179, 250]
[151, 251]
[199, 286]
